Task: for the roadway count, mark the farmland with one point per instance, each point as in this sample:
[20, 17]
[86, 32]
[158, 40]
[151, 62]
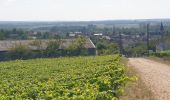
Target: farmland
[76, 78]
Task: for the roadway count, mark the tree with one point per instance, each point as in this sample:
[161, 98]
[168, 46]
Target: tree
[46, 35]
[100, 46]
[14, 31]
[24, 36]
[137, 49]
[2, 35]
[19, 51]
[52, 49]
[104, 47]
[78, 47]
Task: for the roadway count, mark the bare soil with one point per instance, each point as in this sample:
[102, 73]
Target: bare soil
[135, 90]
[155, 75]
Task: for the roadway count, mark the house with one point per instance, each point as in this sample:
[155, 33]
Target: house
[88, 45]
[35, 45]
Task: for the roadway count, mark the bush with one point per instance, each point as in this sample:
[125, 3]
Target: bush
[19, 51]
[163, 54]
[52, 49]
[77, 48]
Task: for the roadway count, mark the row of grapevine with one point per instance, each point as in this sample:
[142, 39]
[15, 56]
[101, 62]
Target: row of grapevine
[75, 78]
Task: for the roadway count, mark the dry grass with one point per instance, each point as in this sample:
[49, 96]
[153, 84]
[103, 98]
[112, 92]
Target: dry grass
[135, 90]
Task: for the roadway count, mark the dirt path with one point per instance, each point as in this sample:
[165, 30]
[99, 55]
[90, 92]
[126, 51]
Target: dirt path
[155, 75]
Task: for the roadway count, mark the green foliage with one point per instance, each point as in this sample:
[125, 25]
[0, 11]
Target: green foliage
[19, 51]
[2, 35]
[79, 43]
[104, 47]
[52, 48]
[24, 36]
[13, 34]
[77, 78]
[163, 54]
[78, 47]
[46, 35]
[137, 49]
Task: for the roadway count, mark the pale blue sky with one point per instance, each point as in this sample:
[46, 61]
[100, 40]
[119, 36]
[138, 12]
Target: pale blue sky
[68, 10]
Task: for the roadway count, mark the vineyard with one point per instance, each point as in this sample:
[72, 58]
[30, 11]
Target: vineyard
[75, 78]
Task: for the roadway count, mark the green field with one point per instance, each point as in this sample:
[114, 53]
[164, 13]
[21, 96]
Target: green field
[75, 78]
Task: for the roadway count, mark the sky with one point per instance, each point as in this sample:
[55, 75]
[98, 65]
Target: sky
[82, 10]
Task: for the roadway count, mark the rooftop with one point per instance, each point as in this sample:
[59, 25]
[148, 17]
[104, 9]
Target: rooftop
[6, 45]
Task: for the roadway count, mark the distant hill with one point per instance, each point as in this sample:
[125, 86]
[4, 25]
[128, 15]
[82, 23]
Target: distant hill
[117, 23]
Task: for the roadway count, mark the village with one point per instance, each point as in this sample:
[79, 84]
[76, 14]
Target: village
[100, 41]
[84, 50]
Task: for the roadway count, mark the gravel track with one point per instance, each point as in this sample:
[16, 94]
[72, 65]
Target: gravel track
[155, 75]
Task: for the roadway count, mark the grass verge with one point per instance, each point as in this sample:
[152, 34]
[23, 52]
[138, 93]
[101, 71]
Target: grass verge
[135, 90]
[160, 60]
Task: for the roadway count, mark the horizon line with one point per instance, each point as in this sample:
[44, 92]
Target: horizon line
[85, 20]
